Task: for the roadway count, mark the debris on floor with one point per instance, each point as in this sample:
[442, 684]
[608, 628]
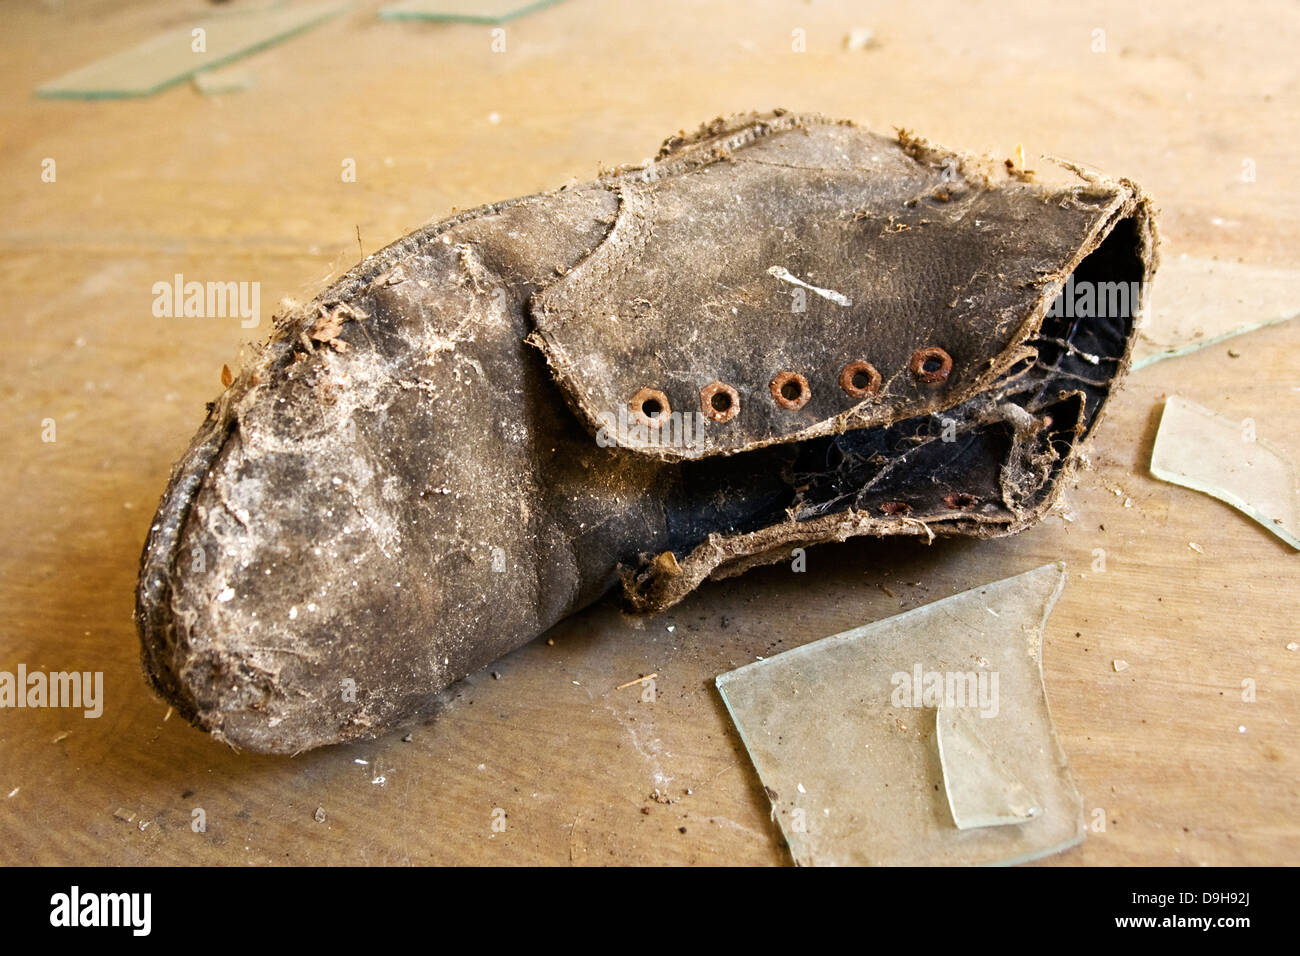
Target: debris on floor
[921, 739]
[1201, 450]
[169, 58]
[1197, 302]
[639, 680]
[858, 38]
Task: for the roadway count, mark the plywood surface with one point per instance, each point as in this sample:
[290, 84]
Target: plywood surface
[247, 187]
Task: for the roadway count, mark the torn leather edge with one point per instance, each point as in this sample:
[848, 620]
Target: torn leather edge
[666, 580]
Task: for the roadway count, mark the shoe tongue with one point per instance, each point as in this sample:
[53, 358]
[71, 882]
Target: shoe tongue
[812, 281]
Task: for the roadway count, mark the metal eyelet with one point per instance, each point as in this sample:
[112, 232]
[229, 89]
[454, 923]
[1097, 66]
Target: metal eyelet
[790, 390]
[931, 365]
[720, 401]
[649, 407]
[860, 379]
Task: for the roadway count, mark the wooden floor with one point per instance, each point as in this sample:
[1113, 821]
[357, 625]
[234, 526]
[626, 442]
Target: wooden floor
[247, 187]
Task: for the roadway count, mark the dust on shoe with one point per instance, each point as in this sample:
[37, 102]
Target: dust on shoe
[783, 330]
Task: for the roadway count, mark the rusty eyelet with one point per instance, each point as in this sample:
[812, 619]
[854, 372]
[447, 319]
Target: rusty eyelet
[960, 501]
[720, 401]
[790, 390]
[649, 407]
[860, 379]
[931, 365]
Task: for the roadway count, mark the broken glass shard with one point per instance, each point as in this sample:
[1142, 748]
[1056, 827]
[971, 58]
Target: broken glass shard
[1197, 302]
[982, 790]
[924, 738]
[462, 11]
[1203, 451]
[171, 57]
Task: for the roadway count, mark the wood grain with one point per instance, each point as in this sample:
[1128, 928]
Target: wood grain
[247, 187]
